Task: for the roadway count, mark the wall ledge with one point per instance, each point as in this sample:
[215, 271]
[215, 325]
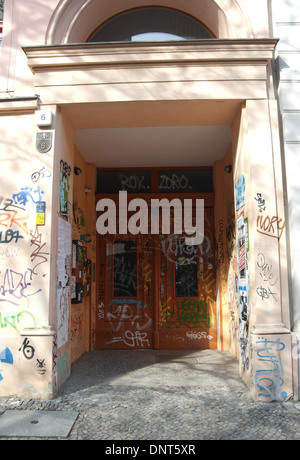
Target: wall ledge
[41, 58]
[19, 104]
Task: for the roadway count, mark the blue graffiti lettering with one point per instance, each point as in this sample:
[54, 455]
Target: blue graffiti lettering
[270, 378]
[6, 357]
[26, 194]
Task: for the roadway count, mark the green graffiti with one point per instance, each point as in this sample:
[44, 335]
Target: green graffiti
[17, 321]
[193, 313]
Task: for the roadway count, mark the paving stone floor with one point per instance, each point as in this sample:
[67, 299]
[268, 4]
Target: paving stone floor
[163, 395]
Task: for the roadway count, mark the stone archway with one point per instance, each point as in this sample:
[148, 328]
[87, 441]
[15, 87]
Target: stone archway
[74, 20]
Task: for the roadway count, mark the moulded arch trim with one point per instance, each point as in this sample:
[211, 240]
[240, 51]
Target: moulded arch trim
[73, 21]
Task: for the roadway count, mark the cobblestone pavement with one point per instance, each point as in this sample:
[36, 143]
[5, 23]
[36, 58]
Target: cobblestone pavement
[164, 395]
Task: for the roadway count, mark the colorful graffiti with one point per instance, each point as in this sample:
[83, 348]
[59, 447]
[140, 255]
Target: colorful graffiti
[123, 318]
[190, 313]
[24, 255]
[63, 366]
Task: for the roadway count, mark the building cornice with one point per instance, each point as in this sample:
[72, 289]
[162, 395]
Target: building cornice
[41, 58]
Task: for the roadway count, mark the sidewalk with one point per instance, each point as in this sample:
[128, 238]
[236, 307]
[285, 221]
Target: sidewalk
[153, 395]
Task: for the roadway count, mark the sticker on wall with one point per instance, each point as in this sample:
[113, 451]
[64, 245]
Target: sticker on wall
[64, 192]
[240, 195]
[242, 241]
[244, 323]
[246, 233]
[43, 142]
[40, 213]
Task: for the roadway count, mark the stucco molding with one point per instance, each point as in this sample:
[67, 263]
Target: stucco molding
[18, 104]
[82, 55]
[73, 21]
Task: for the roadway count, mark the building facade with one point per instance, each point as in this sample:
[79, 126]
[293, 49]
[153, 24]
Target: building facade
[168, 104]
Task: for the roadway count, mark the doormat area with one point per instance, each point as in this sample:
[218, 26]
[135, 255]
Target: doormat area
[40, 424]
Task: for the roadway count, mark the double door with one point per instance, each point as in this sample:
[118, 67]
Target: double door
[155, 291]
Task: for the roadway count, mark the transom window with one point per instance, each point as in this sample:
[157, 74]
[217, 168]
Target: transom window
[150, 24]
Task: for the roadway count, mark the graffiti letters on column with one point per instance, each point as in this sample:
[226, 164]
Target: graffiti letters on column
[270, 378]
[38, 256]
[270, 226]
[267, 290]
[28, 351]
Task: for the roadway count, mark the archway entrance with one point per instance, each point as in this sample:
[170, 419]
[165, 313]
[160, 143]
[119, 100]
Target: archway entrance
[203, 84]
[174, 305]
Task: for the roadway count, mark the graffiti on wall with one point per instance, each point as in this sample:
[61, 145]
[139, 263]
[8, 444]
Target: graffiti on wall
[269, 377]
[190, 313]
[63, 365]
[79, 221]
[23, 254]
[271, 227]
[261, 202]
[129, 320]
[268, 351]
[38, 255]
[268, 224]
[267, 290]
[28, 351]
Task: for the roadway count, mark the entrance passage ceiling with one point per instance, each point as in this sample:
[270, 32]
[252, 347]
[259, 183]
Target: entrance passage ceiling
[154, 146]
[153, 133]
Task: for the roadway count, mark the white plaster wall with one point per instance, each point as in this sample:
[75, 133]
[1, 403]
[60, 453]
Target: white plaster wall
[286, 26]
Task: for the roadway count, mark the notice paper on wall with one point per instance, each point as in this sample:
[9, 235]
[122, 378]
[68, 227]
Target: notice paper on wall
[63, 280]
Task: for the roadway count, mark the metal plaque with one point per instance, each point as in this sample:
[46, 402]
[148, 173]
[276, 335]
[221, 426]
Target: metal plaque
[43, 142]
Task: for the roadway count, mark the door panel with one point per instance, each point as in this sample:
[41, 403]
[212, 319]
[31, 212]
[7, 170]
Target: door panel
[188, 304]
[125, 293]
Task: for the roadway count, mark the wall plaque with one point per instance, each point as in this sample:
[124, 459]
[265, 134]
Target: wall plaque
[43, 142]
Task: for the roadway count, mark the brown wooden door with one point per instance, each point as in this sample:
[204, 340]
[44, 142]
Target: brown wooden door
[125, 300]
[154, 291]
[187, 317]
